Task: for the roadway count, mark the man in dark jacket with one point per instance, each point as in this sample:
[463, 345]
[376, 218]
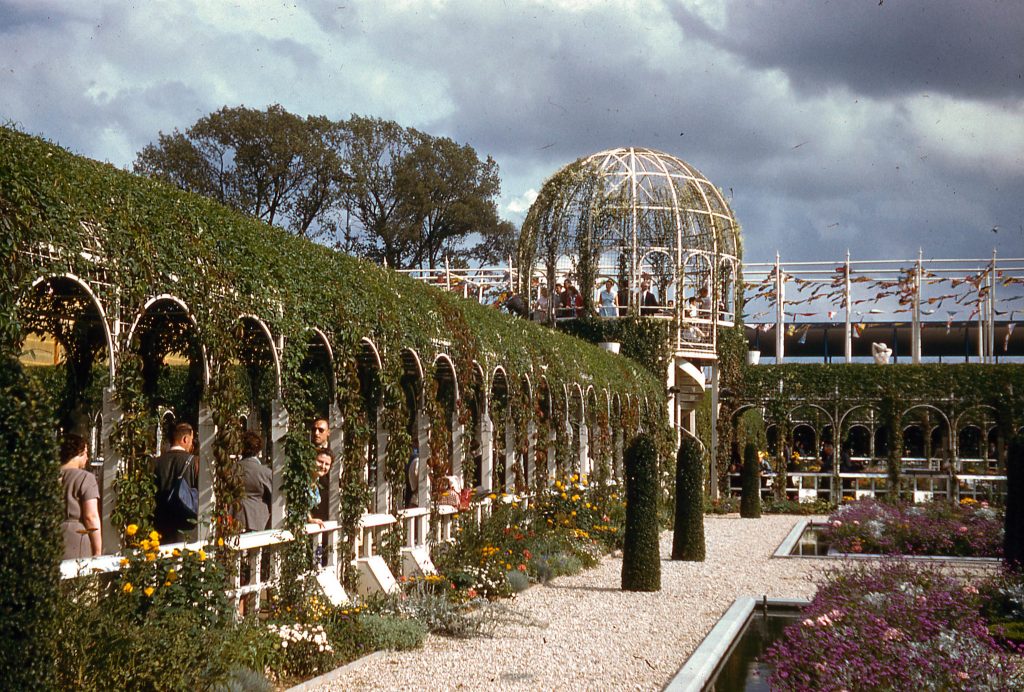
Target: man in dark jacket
[168, 467]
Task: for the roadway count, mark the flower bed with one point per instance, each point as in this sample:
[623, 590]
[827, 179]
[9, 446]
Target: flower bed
[896, 626]
[165, 622]
[969, 529]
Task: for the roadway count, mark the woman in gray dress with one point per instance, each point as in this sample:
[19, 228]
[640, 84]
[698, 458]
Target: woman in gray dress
[257, 485]
[81, 525]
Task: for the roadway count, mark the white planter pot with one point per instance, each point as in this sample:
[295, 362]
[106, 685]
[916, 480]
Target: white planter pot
[753, 357]
[612, 346]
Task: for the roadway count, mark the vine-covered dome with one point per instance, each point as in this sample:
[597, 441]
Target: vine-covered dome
[638, 217]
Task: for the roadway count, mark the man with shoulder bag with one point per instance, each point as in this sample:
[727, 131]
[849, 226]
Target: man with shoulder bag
[176, 474]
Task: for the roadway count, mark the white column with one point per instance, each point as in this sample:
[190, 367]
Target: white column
[207, 431]
[458, 430]
[336, 444]
[423, 471]
[552, 441]
[584, 450]
[531, 454]
[383, 499]
[486, 453]
[510, 453]
[111, 459]
[278, 460]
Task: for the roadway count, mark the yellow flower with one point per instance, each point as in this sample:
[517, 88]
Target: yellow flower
[564, 496]
[202, 555]
[220, 541]
[127, 588]
[587, 505]
[575, 478]
[167, 583]
[150, 557]
[171, 575]
[131, 529]
[154, 537]
[176, 553]
[144, 544]
[148, 590]
[574, 512]
[575, 498]
[492, 496]
[124, 562]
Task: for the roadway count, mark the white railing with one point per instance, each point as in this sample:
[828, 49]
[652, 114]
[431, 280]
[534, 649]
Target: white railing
[806, 486]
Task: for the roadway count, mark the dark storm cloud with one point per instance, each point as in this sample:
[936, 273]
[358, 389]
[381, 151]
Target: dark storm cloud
[973, 49]
[845, 125]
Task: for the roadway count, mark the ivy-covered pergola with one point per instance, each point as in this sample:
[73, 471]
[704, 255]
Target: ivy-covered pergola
[168, 307]
[947, 422]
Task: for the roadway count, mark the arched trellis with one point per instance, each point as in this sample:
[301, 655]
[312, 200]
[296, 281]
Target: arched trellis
[418, 426]
[108, 338]
[167, 297]
[989, 444]
[271, 347]
[502, 445]
[273, 289]
[449, 439]
[373, 446]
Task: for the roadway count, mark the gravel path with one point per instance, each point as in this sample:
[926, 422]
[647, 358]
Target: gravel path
[601, 638]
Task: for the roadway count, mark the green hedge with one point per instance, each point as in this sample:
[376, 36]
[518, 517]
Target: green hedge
[641, 561]
[750, 499]
[688, 536]
[1013, 538]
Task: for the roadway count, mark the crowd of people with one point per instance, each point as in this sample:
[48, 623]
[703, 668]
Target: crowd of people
[566, 302]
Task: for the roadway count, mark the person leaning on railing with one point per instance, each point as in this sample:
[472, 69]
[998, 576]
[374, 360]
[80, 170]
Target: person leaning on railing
[316, 502]
[81, 525]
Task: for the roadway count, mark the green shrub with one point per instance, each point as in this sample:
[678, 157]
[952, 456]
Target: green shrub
[30, 542]
[727, 504]
[518, 581]
[688, 537]
[1013, 537]
[776, 506]
[750, 500]
[392, 633]
[547, 567]
[641, 561]
[107, 645]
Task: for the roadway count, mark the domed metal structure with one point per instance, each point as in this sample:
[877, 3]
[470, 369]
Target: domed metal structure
[651, 223]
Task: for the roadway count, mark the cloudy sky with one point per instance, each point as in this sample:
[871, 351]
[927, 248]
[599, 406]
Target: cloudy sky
[878, 127]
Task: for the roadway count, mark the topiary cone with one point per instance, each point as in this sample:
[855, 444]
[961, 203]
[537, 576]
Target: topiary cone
[688, 538]
[1013, 536]
[641, 561]
[750, 500]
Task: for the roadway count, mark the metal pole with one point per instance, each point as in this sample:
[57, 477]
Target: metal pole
[992, 310]
[780, 312]
[915, 344]
[848, 337]
[447, 274]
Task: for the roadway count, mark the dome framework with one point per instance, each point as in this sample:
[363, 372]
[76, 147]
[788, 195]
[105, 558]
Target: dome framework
[638, 216]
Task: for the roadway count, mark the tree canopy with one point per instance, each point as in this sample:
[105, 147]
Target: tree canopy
[366, 185]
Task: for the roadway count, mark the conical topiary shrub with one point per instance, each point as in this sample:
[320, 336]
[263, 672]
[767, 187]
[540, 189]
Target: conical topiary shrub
[688, 538]
[1013, 536]
[750, 500]
[641, 561]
